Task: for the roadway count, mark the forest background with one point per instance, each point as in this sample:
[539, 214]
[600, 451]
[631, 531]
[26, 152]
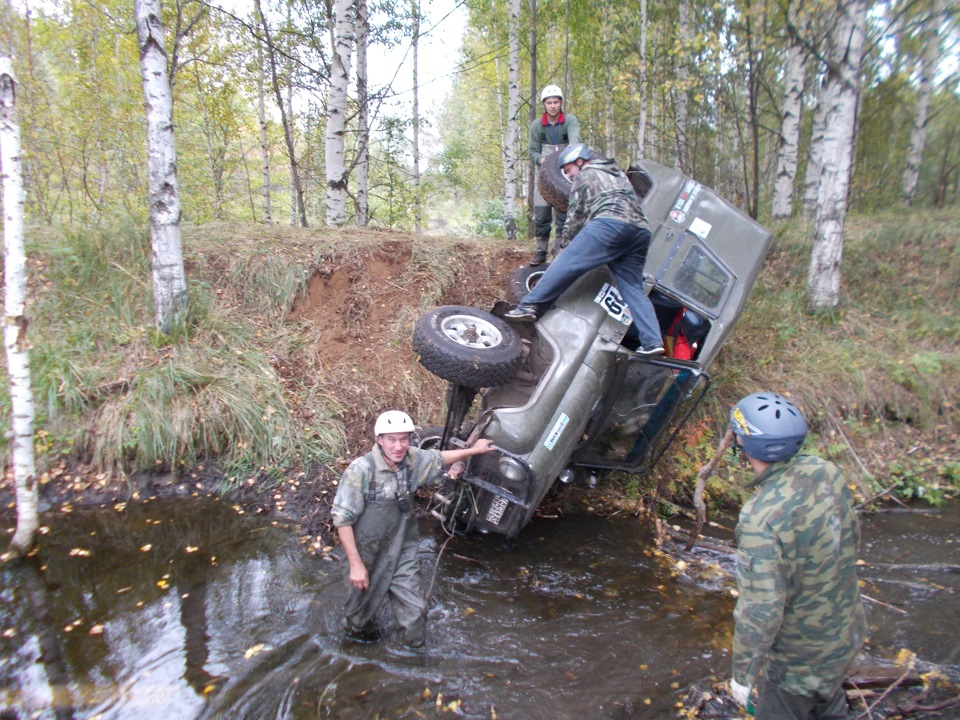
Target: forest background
[727, 92]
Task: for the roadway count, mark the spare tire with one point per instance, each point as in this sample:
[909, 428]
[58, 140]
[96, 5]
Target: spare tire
[553, 184]
[467, 346]
[524, 279]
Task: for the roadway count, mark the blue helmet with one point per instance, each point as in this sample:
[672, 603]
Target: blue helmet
[694, 326]
[574, 152]
[770, 427]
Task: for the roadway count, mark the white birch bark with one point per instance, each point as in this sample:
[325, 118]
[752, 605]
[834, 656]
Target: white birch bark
[811, 178]
[290, 125]
[789, 132]
[918, 135]
[683, 75]
[363, 122]
[642, 90]
[15, 318]
[528, 190]
[417, 209]
[513, 108]
[344, 36]
[842, 90]
[169, 278]
[264, 140]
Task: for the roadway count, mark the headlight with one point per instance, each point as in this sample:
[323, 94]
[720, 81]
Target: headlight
[511, 469]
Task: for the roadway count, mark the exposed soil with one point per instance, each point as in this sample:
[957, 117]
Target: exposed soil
[360, 313]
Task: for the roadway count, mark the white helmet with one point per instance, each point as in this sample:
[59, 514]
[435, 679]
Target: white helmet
[393, 421]
[551, 91]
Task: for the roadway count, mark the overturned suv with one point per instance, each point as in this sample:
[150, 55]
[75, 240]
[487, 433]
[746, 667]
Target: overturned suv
[569, 395]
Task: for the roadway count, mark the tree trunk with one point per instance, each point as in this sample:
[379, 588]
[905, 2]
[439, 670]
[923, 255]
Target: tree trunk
[264, 139]
[918, 136]
[363, 123]
[642, 90]
[683, 74]
[513, 109]
[286, 118]
[811, 178]
[534, 105]
[789, 132]
[343, 29]
[417, 209]
[841, 93]
[15, 318]
[169, 278]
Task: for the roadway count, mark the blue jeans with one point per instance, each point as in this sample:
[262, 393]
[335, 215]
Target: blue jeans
[622, 247]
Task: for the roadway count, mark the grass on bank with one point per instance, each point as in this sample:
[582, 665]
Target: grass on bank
[878, 378]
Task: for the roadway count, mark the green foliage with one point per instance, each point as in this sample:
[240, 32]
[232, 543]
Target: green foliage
[488, 220]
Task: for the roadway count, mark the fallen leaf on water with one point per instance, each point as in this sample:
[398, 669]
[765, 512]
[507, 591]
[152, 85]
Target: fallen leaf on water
[79, 552]
[469, 611]
[252, 651]
[96, 630]
[191, 549]
[146, 548]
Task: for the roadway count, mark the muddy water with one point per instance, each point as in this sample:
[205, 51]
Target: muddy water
[189, 611]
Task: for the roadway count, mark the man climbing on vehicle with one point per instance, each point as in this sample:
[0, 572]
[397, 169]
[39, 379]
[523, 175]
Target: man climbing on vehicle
[605, 226]
[376, 524]
[552, 131]
[799, 619]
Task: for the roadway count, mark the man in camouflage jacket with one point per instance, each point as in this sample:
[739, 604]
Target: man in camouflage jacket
[605, 226]
[799, 618]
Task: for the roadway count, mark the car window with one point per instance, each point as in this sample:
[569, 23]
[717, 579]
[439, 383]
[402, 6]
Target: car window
[696, 275]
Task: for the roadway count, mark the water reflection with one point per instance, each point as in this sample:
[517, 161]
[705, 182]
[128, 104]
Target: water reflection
[188, 611]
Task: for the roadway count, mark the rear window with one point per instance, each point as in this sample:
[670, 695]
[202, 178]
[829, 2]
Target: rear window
[701, 278]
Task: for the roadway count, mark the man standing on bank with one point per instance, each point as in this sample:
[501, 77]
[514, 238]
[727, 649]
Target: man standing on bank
[799, 618]
[605, 226]
[376, 524]
[554, 130]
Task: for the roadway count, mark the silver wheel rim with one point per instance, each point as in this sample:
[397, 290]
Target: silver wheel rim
[471, 331]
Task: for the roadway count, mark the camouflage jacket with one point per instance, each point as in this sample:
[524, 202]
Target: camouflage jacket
[370, 479]
[799, 618]
[601, 190]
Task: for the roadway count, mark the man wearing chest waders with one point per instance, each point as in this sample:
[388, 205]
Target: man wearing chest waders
[374, 517]
[554, 130]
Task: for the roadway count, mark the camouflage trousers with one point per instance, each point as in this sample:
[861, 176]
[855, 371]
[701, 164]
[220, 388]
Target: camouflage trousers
[775, 703]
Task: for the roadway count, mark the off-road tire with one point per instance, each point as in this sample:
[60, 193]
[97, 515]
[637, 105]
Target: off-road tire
[524, 279]
[467, 346]
[428, 438]
[554, 186]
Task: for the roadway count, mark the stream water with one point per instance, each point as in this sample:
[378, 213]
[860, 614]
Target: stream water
[187, 610]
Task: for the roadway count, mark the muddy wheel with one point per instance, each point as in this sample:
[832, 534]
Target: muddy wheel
[524, 279]
[554, 186]
[467, 346]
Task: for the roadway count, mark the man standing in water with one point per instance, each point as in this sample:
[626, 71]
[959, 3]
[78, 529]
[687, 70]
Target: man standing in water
[374, 517]
[799, 619]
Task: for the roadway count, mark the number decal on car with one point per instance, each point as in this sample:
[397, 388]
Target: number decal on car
[611, 301]
[497, 508]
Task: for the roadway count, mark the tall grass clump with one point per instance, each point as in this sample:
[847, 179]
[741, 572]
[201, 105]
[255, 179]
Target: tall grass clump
[113, 391]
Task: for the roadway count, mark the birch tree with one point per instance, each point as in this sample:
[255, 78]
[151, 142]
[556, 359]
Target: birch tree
[513, 108]
[531, 176]
[417, 210]
[169, 278]
[363, 122]
[683, 75]
[840, 93]
[342, 30]
[918, 134]
[643, 81]
[264, 137]
[789, 147]
[811, 178]
[15, 318]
